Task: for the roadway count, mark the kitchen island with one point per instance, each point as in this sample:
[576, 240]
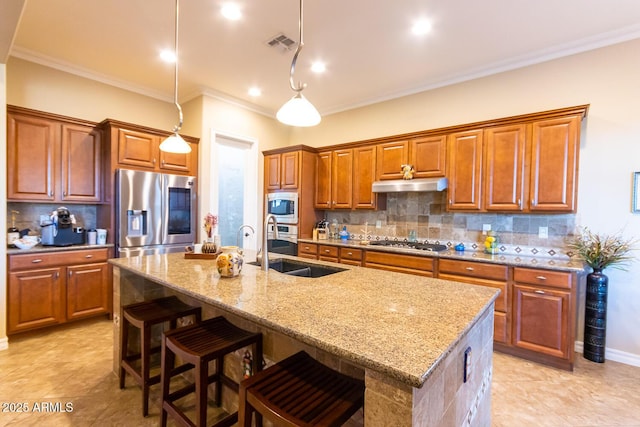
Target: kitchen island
[406, 336]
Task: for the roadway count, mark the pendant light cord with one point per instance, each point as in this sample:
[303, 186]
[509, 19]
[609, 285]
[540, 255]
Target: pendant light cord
[177, 128]
[300, 86]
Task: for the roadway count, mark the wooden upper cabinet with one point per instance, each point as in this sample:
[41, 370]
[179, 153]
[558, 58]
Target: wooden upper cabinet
[428, 156]
[364, 173]
[52, 158]
[290, 162]
[322, 199]
[390, 158]
[31, 143]
[281, 171]
[504, 167]
[81, 163]
[140, 149]
[342, 179]
[465, 170]
[554, 164]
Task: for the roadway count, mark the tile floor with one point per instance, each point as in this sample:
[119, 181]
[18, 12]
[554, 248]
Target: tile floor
[64, 377]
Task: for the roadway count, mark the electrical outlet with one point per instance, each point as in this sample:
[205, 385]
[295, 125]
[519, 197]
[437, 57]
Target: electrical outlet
[485, 228]
[467, 365]
[378, 224]
[543, 232]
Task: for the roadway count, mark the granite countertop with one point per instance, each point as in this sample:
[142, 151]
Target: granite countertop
[468, 255]
[40, 248]
[396, 324]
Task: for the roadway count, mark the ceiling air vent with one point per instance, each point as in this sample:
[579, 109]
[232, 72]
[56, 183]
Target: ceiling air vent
[281, 42]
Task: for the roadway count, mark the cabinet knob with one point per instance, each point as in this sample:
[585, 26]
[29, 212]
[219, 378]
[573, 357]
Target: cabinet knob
[327, 250]
[538, 291]
[64, 193]
[469, 268]
[56, 275]
[154, 161]
[88, 256]
[349, 253]
[50, 193]
[519, 203]
[541, 278]
[162, 163]
[36, 261]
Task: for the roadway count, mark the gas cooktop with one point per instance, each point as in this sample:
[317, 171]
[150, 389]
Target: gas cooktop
[432, 247]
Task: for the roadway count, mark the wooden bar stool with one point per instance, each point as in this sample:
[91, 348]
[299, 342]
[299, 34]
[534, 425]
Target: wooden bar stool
[144, 315]
[197, 345]
[300, 391]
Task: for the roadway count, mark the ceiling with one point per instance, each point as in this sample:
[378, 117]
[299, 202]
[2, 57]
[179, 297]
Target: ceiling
[370, 53]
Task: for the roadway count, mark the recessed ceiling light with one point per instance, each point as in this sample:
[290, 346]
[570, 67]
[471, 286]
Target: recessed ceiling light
[421, 27]
[168, 56]
[255, 91]
[231, 11]
[318, 67]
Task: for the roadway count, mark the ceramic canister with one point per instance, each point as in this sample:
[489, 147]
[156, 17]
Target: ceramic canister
[229, 262]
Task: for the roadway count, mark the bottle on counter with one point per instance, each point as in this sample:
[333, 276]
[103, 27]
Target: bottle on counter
[344, 234]
[12, 232]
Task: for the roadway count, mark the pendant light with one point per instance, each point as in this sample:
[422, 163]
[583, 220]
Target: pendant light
[298, 111]
[175, 143]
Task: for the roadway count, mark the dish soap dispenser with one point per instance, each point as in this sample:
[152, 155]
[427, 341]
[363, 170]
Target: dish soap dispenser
[344, 234]
[13, 233]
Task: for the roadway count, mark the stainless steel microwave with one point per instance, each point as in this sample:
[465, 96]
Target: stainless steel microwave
[284, 206]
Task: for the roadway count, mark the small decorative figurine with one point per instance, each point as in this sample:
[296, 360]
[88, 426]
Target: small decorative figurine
[407, 171]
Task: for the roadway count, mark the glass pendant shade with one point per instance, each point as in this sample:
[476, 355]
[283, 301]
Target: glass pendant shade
[175, 144]
[298, 111]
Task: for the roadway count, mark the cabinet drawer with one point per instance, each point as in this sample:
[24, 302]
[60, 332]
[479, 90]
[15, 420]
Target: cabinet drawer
[350, 254]
[399, 262]
[48, 259]
[308, 249]
[556, 279]
[328, 251]
[474, 269]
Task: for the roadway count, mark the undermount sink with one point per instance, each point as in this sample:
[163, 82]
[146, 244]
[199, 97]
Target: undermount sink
[300, 268]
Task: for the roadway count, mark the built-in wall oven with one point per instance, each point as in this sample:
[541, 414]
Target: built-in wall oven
[287, 241]
[284, 206]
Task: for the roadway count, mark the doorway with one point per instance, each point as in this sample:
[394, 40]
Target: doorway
[234, 188]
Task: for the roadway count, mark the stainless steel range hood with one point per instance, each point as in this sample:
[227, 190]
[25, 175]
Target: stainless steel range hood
[414, 185]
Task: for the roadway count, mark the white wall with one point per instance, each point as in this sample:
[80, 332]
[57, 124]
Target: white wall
[610, 151]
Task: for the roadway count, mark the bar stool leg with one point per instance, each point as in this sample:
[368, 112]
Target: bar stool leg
[145, 337]
[168, 360]
[201, 392]
[124, 344]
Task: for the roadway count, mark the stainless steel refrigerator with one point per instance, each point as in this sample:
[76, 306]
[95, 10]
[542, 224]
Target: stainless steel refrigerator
[155, 212]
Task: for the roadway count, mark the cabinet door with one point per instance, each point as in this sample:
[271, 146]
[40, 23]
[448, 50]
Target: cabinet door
[35, 299]
[554, 163]
[364, 167]
[88, 290]
[81, 163]
[290, 163]
[504, 160]
[137, 149]
[178, 162]
[323, 181]
[541, 320]
[465, 169]
[390, 158]
[342, 179]
[272, 172]
[31, 150]
[428, 156]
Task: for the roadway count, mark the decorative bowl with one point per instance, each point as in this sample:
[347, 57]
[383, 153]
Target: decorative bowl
[26, 242]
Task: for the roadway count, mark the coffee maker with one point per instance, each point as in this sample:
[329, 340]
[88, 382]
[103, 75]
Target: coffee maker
[60, 230]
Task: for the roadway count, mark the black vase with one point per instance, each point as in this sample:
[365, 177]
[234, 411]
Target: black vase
[595, 316]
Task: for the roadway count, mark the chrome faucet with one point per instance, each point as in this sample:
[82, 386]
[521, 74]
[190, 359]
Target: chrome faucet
[265, 252]
[245, 235]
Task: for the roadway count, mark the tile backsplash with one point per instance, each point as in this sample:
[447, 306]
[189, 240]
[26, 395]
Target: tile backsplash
[426, 214]
[29, 216]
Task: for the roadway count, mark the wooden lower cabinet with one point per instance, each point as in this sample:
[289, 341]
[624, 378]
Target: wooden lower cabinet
[308, 250]
[544, 311]
[351, 256]
[328, 253]
[484, 274]
[50, 288]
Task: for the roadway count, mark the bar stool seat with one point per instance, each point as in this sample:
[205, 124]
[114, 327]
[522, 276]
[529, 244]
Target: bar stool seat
[300, 391]
[197, 345]
[144, 315]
